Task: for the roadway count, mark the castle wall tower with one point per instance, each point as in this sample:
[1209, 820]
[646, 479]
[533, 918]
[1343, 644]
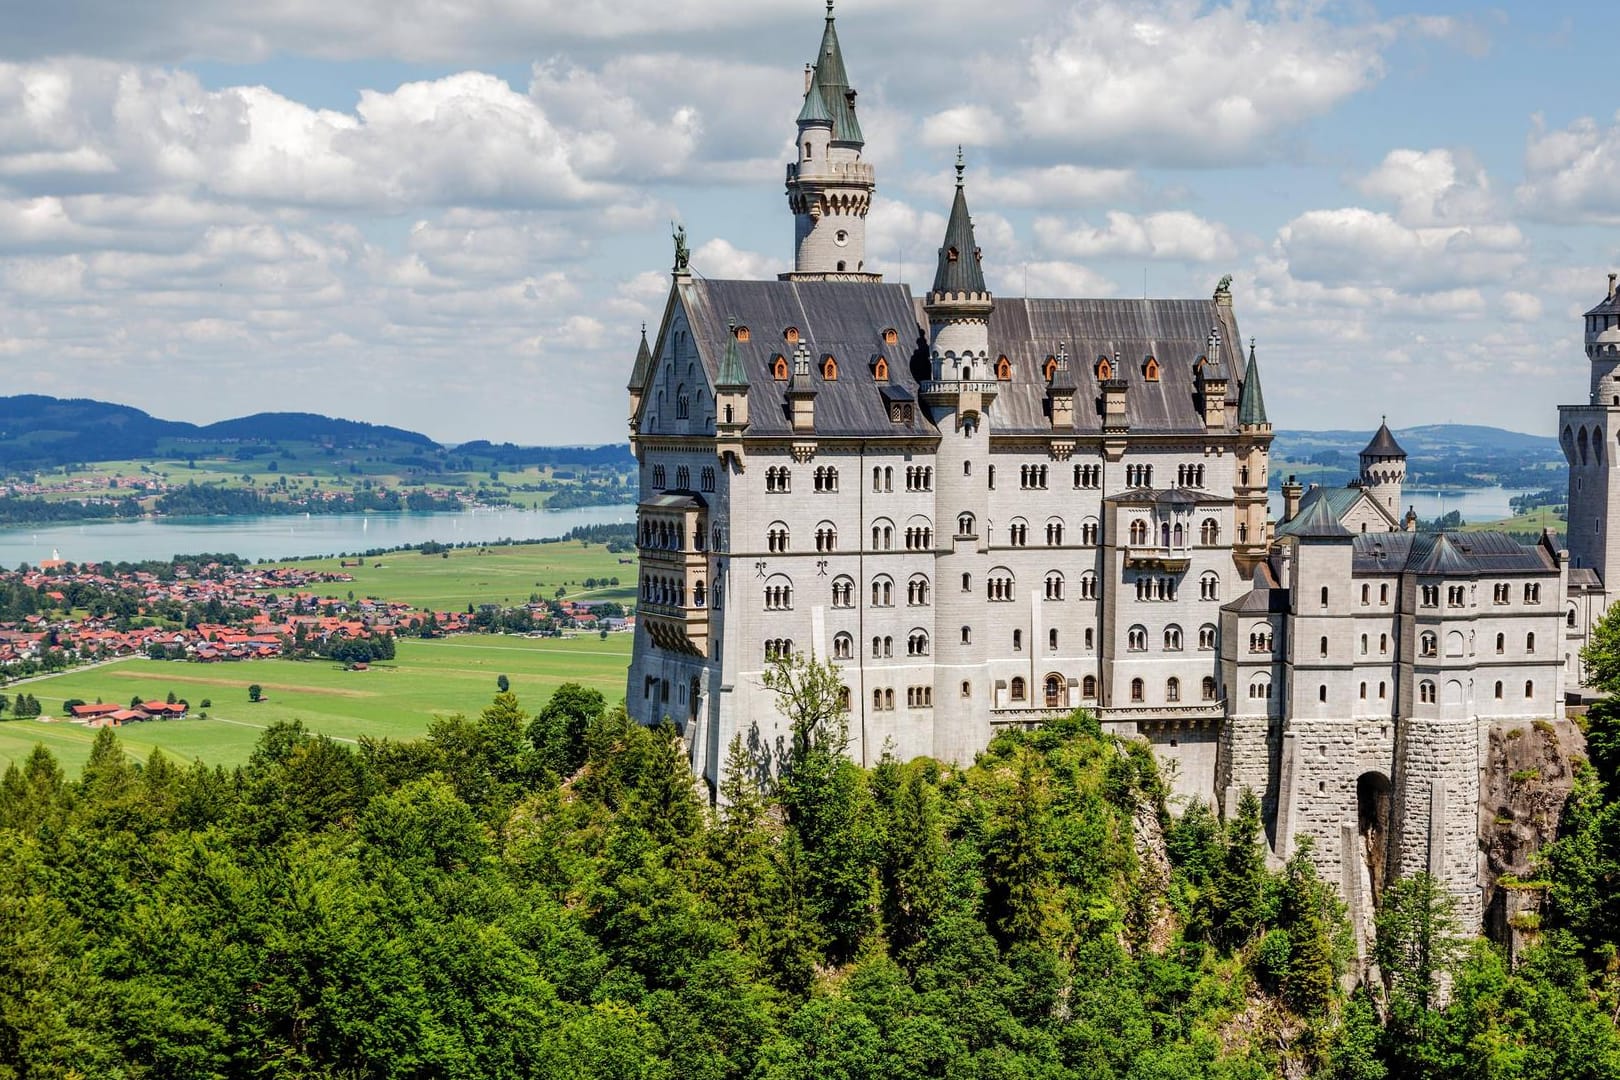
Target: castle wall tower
[957, 395]
[829, 187]
[1253, 464]
[1587, 434]
[1383, 470]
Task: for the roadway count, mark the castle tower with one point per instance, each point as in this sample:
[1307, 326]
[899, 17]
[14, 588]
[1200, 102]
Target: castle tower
[829, 188]
[1587, 434]
[1383, 470]
[1254, 461]
[958, 391]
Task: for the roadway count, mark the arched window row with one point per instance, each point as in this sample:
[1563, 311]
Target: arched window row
[917, 643]
[1088, 476]
[919, 538]
[826, 478]
[776, 538]
[779, 595]
[778, 479]
[1000, 586]
[882, 648]
[1032, 477]
[917, 592]
[1190, 476]
[882, 592]
[919, 478]
[843, 647]
[778, 649]
[1018, 533]
[1054, 585]
[1209, 533]
[1138, 476]
[883, 478]
[671, 591]
[843, 592]
[1156, 588]
[882, 700]
[1054, 533]
[1260, 640]
[826, 537]
[919, 697]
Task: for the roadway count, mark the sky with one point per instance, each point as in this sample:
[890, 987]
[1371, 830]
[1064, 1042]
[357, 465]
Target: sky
[454, 215]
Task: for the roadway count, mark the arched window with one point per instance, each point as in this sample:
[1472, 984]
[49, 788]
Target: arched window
[778, 480]
[1321, 693]
[1136, 639]
[1088, 585]
[1150, 370]
[1209, 586]
[1054, 532]
[965, 525]
[843, 647]
[1324, 596]
[1054, 585]
[1088, 687]
[1003, 370]
[829, 368]
[880, 370]
[1530, 643]
[1501, 644]
[1000, 585]
[1426, 692]
[1363, 644]
[917, 643]
[1498, 690]
[791, 335]
[683, 403]
[776, 538]
[1172, 689]
[826, 537]
[1207, 688]
[1324, 647]
[1049, 369]
[1054, 691]
[1017, 686]
[1105, 370]
[917, 591]
[1139, 532]
[843, 592]
[1138, 690]
[779, 368]
[1206, 638]
[1172, 638]
[882, 592]
[1052, 639]
[1529, 689]
[1428, 645]
[1209, 533]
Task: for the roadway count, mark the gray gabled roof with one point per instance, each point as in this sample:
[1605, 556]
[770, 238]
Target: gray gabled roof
[1314, 522]
[1251, 402]
[1454, 554]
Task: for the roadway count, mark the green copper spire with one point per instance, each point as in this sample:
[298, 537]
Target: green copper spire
[731, 375]
[815, 103]
[1251, 403]
[836, 96]
[959, 270]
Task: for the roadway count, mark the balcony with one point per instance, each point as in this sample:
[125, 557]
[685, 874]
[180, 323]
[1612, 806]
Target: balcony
[1168, 560]
[852, 172]
[946, 391]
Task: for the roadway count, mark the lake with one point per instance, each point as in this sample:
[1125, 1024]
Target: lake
[1475, 504]
[277, 537]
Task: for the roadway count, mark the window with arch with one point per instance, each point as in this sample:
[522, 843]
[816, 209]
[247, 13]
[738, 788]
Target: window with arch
[1052, 640]
[1003, 370]
[1206, 638]
[1530, 643]
[658, 475]
[1383, 691]
[829, 368]
[919, 697]
[1016, 687]
[699, 594]
[1054, 585]
[843, 592]
[1089, 532]
[1321, 692]
[778, 480]
[1172, 638]
[882, 648]
[1049, 369]
[967, 582]
[1428, 644]
[1324, 647]
[1260, 689]
[776, 538]
[919, 535]
[779, 368]
[1150, 370]
[1088, 476]
[708, 478]
[683, 403]
[1088, 585]
[882, 592]
[1104, 369]
[1138, 690]
[1324, 596]
[967, 635]
[1018, 641]
[1383, 644]
[1172, 689]
[843, 647]
[1032, 477]
[965, 526]
[1529, 689]
[778, 649]
[1000, 585]
[1209, 586]
[1501, 644]
[1209, 533]
[1363, 644]
[779, 594]
[683, 478]
[917, 643]
[1207, 689]
[826, 478]
[1136, 639]
[1054, 532]
[1139, 532]
[1361, 692]
[1018, 533]
[919, 478]
[1260, 640]
[1426, 692]
[1088, 687]
[1532, 593]
[1569, 617]
[826, 537]
[880, 370]
[882, 535]
[1497, 691]
[1430, 595]
[917, 591]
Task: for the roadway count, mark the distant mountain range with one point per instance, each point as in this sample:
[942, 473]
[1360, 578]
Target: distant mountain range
[38, 432]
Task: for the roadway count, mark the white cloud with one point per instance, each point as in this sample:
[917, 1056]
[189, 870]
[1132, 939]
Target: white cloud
[1521, 306]
[1359, 247]
[1431, 187]
[1174, 81]
[1052, 278]
[1573, 173]
[719, 258]
[1056, 185]
[1171, 234]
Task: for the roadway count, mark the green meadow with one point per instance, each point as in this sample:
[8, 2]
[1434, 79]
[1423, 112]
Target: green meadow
[495, 575]
[392, 700]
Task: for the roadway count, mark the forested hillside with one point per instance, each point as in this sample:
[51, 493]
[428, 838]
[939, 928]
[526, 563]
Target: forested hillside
[549, 896]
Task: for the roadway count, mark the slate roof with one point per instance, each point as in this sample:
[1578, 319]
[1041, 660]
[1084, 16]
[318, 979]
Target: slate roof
[1462, 554]
[959, 270]
[835, 91]
[1609, 306]
[638, 374]
[1266, 598]
[1383, 444]
[1314, 522]
[847, 319]
[1251, 402]
[1144, 496]
[731, 375]
[1339, 500]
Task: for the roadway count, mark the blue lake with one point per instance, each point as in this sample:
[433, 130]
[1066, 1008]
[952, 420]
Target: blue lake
[286, 537]
[1475, 504]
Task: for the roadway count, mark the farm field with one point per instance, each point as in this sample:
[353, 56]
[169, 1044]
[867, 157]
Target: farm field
[495, 575]
[394, 699]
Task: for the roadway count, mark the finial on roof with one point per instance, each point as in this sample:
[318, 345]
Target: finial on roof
[960, 167]
[829, 8]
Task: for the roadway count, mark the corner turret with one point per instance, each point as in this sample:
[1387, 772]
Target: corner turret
[1383, 469]
[638, 377]
[1254, 461]
[959, 305]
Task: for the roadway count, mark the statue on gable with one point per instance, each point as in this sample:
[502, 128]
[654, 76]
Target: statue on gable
[683, 256]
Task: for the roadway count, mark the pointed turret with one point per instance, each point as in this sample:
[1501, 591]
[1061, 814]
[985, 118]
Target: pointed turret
[959, 270]
[958, 309]
[731, 375]
[829, 188]
[1383, 469]
[1251, 402]
[731, 400]
[638, 377]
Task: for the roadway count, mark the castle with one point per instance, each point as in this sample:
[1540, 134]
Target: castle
[987, 511]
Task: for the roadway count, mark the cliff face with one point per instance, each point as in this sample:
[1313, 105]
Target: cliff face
[1525, 776]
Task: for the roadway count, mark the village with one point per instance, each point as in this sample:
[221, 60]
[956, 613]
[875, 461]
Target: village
[60, 615]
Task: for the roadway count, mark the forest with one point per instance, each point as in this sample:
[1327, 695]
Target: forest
[550, 895]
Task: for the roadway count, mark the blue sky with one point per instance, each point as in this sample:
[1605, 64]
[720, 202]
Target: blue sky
[454, 216]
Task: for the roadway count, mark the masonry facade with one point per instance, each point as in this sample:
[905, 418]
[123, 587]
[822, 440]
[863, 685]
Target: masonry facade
[988, 511]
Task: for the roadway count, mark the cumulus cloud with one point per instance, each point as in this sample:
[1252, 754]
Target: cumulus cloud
[1171, 234]
[1431, 187]
[1354, 246]
[719, 258]
[1174, 81]
[1572, 174]
[1055, 185]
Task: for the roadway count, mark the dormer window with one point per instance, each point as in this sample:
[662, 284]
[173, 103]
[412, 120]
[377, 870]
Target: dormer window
[829, 368]
[779, 368]
[1003, 370]
[1049, 369]
[1150, 370]
[1105, 370]
[891, 336]
[952, 255]
[880, 370]
[742, 334]
[791, 335]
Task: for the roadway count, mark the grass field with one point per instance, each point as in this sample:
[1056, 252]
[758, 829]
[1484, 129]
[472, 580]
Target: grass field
[497, 575]
[392, 700]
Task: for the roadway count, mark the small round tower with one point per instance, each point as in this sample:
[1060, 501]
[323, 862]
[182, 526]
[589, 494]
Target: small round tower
[1383, 469]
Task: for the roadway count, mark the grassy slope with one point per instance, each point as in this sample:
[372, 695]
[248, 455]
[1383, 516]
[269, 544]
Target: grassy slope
[429, 678]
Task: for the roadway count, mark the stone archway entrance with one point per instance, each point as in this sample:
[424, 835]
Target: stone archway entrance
[1375, 798]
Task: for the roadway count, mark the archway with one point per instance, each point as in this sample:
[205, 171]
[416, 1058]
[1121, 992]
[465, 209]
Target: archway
[1374, 801]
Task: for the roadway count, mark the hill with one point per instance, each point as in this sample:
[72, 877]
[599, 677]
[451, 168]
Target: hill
[1439, 455]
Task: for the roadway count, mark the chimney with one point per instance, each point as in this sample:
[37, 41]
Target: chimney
[1291, 494]
[1611, 285]
[808, 70]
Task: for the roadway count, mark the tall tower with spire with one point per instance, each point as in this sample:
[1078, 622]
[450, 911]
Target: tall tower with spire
[1254, 463]
[829, 187]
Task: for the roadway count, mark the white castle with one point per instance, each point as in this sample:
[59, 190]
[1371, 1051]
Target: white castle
[990, 511]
